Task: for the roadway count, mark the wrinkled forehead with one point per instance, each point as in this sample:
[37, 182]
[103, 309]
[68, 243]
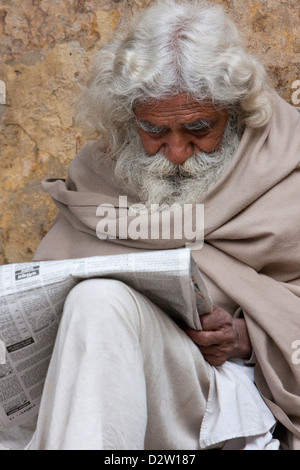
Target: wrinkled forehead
[177, 107]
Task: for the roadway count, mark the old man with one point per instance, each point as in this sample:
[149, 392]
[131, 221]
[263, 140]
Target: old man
[184, 115]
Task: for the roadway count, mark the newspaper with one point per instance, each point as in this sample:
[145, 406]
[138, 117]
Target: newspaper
[32, 296]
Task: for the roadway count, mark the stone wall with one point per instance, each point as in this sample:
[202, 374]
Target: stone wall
[45, 46]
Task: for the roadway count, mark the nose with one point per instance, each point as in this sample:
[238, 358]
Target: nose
[178, 148]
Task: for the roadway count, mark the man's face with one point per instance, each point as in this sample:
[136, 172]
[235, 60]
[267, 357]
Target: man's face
[176, 150]
[178, 127]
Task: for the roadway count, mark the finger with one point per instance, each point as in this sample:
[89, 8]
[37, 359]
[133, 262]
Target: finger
[215, 355]
[208, 338]
[215, 361]
[215, 350]
[216, 319]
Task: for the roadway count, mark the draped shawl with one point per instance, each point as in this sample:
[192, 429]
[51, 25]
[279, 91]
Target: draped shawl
[250, 258]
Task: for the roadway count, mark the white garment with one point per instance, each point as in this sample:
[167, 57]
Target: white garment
[17, 437]
[235, 409]
[123, 375]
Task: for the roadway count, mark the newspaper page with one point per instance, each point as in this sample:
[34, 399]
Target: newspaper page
[32, 296]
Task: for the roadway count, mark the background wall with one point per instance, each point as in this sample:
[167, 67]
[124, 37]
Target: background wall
[45, 45]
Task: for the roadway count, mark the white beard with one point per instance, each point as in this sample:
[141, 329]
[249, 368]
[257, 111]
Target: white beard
[160, 181]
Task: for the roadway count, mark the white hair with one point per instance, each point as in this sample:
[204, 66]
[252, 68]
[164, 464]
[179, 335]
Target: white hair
[189, 47]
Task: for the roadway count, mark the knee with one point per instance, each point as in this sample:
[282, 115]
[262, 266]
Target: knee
[95, 288]
[102, 298]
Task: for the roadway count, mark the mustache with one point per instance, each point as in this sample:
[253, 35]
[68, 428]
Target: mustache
[158, 165]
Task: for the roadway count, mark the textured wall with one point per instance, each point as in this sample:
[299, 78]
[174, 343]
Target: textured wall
[44, 47]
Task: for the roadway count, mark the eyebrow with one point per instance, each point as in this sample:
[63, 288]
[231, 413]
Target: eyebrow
[199, 125]
[148, 127]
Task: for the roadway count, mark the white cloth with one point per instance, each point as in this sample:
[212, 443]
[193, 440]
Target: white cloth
[123, 375]
[235, 409]
[18, 437]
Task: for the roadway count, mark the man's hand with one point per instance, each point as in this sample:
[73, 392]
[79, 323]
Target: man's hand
[222, 337]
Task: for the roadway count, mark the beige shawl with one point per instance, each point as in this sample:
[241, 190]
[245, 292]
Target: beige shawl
[251, 255]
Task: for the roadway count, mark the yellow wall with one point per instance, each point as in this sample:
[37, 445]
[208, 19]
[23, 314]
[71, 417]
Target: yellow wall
[45, 45]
